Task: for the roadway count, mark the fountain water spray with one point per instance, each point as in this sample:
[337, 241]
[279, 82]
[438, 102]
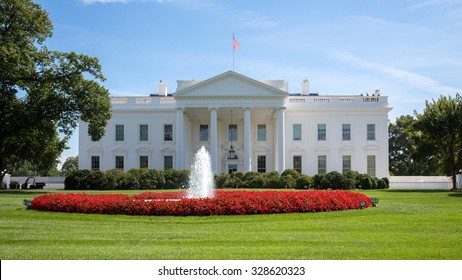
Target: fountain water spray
[201, 181]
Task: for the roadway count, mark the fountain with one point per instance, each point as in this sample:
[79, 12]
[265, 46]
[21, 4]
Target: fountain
[201, 181]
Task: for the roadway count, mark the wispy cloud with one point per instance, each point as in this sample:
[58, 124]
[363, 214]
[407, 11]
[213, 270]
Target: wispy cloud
[89, 2]
[224, 10]
[450, 9]
[414, 79]
[437, 3]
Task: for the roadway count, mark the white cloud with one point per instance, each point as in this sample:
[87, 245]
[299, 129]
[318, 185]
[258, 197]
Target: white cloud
[224, 10]
[216, 8]
[414, 79]
[437, 3]
[89, 2]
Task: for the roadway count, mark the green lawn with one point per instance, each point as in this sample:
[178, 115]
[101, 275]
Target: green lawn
[407, 224]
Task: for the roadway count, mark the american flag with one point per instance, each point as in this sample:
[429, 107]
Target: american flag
[235, 44]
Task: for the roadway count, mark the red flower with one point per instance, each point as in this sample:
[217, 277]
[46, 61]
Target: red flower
[224, 203]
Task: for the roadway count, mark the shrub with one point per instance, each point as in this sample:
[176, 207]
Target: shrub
[96, 180]
[335, 180]
[271, 175]
[383, 183]
[253, 179]
[77, 180]
[387, 182]
[288, 181]
[304, 182]
[220, 180]
[354, 176]
[276, 183]
[291, 172]
[113, 178]
[175, 179]
[127, 181]
[366, 183]
[234, 180]
[317, 180]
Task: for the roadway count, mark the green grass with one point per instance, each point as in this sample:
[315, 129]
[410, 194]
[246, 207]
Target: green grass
[406, 224]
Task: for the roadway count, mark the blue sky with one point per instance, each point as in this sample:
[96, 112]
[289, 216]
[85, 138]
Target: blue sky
[409, 49]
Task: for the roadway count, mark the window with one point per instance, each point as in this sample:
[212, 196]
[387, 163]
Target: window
[232, 132]
[322, 164]
[322, 133]
[144, 161]
[144, 131]
[168, 132]
[371, 132]
[119, 162]
[371, 165]
[232, 168]
[95, 163]
[119, 136]
[346, 163]
[261, 164]
[261, 132]
[297, 163]
[297, 132]
[168, 162]
[346, 132]
[204, 132]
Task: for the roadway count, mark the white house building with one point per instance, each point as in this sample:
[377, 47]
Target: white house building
[246, 125]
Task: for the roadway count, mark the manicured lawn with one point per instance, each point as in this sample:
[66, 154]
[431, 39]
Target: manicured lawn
[405, 225]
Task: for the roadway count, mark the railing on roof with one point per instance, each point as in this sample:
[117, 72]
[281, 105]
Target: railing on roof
[142, 100]
[338, 99]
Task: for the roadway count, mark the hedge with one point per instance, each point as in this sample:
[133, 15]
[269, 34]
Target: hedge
[148, 179]
[134, 179]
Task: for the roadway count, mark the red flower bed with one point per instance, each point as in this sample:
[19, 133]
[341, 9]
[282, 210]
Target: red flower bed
[224, 203]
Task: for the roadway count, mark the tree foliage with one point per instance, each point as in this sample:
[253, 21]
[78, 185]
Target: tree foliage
[439, 134]
[70, 165]
[403, 149]
[43, 92]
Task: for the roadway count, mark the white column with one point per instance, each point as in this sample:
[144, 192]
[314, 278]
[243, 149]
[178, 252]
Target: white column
[214, 139]
[281, 141]
[247, 142]
[180, 135]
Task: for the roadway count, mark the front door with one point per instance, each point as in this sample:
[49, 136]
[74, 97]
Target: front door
[232, 167]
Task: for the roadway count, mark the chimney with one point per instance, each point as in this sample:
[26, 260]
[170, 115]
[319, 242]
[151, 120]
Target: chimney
[305, 87]
[162, 88]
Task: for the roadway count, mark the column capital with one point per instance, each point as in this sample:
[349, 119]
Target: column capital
[214, 108]
[282, 108]
[247, 108]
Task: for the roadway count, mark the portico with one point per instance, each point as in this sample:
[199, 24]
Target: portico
[249, 102]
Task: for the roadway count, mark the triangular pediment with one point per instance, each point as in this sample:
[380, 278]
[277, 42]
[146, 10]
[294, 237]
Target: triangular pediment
[230, 84]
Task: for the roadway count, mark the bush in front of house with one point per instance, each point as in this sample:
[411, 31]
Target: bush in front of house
[151, 179]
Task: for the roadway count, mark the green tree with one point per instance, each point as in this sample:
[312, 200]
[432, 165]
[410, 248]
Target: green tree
[25, 168]
[43, 92]
[404, 159]
[439, 134]
[70, 165]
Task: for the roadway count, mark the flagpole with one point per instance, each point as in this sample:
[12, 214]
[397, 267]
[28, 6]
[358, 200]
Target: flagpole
[233, 50]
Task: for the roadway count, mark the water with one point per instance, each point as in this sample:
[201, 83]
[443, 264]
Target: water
[201, 183]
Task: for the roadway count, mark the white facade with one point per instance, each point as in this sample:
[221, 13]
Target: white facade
[276, 130]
